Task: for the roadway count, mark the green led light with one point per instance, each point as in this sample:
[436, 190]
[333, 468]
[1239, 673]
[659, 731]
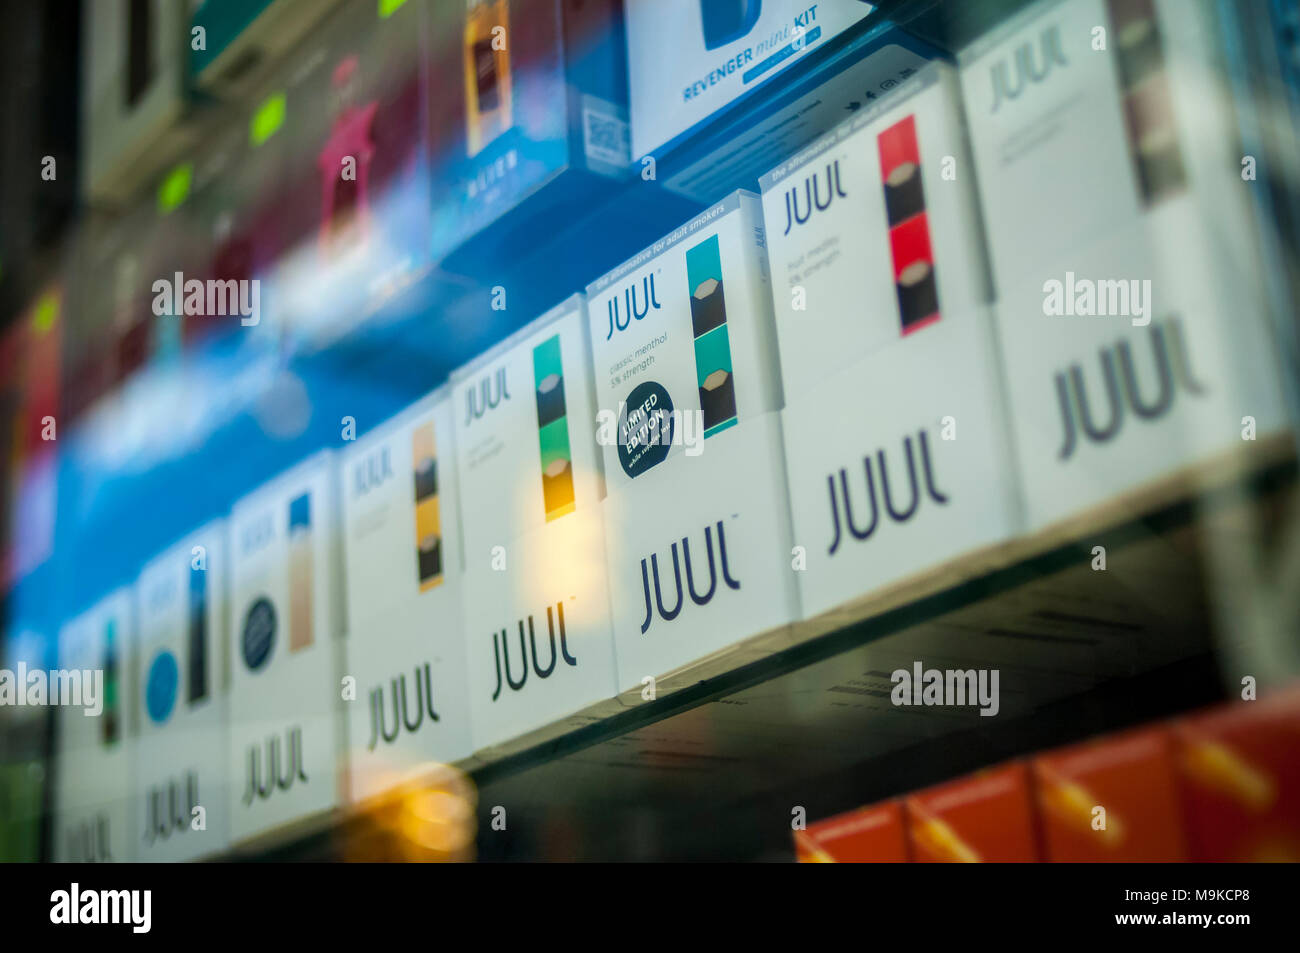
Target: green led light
[47, 312]
[267, 120]
[175, 188]
[388, 7]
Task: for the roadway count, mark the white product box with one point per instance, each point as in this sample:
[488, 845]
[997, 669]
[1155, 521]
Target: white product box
[684, 331]
[688, 386]
[182, 701]
[690, 58]
[873, 232]
[897, 451]
[1130, 311]
[93, 785]
[531, 514]
[286, 667]
[700, 553]
[405, 646]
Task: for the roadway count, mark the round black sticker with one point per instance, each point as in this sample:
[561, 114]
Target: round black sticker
[259, 633]
[645, 431]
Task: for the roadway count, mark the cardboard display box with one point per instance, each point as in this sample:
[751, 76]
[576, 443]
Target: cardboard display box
[1111, 800]
[875, 834]
[1131, 306]
[1239, 771]
[182, 701]
[687, 387]
[286, 730]
[405, 642]
[896, 445]
[985, 818]
[532, 517]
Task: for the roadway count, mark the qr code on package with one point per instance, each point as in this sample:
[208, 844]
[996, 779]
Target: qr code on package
[605, 137]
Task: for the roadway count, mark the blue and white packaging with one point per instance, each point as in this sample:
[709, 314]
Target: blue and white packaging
[689, 60]
[529, 123]
[183, 783]
[699, 128]
[286, 690]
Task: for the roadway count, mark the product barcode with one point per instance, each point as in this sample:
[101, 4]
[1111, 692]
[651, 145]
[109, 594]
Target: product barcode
[607, 138]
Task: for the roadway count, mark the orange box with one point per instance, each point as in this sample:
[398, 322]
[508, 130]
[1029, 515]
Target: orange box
[1239, 768]
[868, 835]
[1132, 778]
[985, 818]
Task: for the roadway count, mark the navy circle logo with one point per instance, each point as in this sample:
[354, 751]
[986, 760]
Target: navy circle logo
[645, 431]
[259, 633]
[160, 688]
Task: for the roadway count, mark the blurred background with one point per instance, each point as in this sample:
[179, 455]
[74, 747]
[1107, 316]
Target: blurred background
[144, 138]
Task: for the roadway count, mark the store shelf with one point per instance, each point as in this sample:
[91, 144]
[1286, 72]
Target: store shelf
[711, 760]
[802, 716]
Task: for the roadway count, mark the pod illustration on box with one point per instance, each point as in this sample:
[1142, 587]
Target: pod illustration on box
[553, 429]
[1133, 324]
[881, 292]
[712, 347]
[428, 519]
[181, 759]
[404, 644]
[536, 609]
[488, 93]
[286, 593]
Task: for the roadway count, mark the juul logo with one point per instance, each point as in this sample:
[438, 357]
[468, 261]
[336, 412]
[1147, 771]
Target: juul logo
[294, 767]
[160, 823]
[882, 468]
[401, 708]
[634, 306]
[697, 597]
[1028, 68]
[1171, 371]
[372, 471]
[501, 650]
[490, 392]
[88, 841]
[812, 196]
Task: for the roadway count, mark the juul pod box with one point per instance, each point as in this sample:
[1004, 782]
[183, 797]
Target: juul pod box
[404, 642]
[183, 700]
[536, 600]
[286, 616]
[896, 445]
[93, 786]
[1130, 312]
[697, 525]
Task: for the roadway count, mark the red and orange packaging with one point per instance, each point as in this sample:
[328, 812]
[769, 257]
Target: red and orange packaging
[1112, 800]
[868, 835]
[985, 818]
[1239, 771]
